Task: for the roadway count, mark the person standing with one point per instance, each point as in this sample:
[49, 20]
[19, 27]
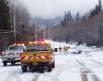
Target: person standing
[60, 49]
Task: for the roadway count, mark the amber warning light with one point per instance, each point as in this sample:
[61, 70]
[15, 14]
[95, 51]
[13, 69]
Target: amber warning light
[39, 42]
[19, 44]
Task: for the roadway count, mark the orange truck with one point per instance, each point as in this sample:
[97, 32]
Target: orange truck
[37, 56]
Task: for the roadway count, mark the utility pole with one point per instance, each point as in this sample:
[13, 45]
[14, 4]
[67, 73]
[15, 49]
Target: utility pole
[14, 25]
[36, 29]
[44, 33]
[49, 31]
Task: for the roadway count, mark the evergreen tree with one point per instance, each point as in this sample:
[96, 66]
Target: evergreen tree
[69, 17]
[86, 15]
[92, 13]
[77, 17]
[100, 6]
[4, 16]
[62, 23]
[97, 9]
[65, 18]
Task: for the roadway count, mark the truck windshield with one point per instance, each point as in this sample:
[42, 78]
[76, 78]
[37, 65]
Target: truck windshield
[16, 48]
[38, 48]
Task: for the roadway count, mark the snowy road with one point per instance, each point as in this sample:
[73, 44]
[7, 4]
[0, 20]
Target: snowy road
[87, 66]
[66, 69]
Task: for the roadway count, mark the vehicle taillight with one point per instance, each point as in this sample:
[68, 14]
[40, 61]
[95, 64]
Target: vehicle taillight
[49, 55]
[43, 42]
[46, 41]
[1, 54]
[20, 53]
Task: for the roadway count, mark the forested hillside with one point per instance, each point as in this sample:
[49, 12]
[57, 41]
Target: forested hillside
[86, 28]
[88, 31]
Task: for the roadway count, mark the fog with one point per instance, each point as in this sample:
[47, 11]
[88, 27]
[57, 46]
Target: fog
[49, 9]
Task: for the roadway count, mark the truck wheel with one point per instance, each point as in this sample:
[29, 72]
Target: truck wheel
[53, 65]
[49, 67]
[24, 69]
[4, 63]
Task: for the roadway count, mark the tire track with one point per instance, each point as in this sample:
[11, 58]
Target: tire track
[87, 71]
[8, 70]
[97, 62]
[54, 77]
[60, 71]
[12, 74]
[83, 74]
[36, 76]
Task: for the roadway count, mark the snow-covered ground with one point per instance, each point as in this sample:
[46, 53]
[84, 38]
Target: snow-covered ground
[70, 66]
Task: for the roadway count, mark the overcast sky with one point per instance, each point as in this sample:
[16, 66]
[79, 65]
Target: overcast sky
[53, 8]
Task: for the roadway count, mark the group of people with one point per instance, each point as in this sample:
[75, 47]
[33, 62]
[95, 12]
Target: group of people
[65, 48]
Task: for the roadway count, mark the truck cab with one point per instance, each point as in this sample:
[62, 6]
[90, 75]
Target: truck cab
[38, 55]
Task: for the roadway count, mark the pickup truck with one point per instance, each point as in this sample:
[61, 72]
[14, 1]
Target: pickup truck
[38, 55]
[12, 54]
